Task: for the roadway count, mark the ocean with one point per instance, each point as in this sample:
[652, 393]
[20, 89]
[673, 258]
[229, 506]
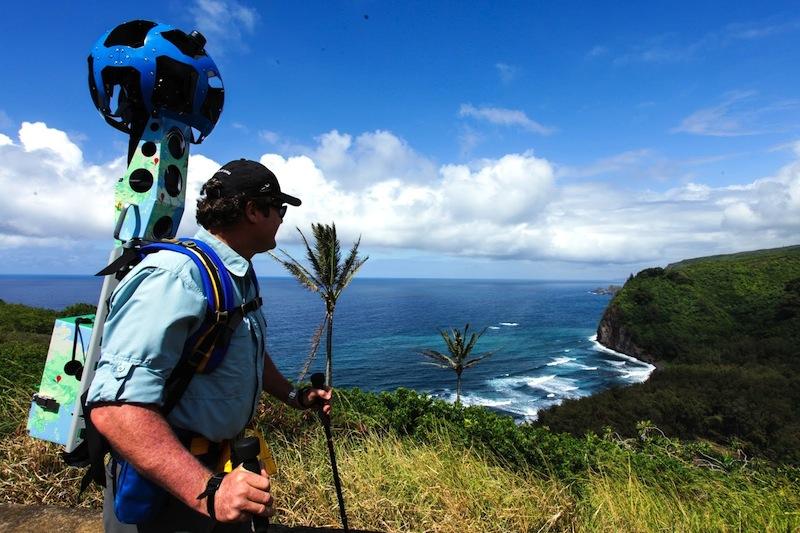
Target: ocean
[541, 335]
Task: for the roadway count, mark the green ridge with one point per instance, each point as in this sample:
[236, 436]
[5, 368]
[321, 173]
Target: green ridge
[725, 333]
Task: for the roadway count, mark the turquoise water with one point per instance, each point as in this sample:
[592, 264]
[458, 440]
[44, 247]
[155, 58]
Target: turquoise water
[540, 333]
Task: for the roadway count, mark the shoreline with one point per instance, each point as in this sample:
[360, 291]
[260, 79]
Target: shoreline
[603, 348]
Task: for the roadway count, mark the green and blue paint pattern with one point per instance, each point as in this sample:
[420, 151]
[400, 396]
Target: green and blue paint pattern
[52, 422]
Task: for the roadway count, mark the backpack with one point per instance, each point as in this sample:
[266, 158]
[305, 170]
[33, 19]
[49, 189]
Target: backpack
[203, 352]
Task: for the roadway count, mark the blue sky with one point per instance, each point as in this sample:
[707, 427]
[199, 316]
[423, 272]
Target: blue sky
[461, 139]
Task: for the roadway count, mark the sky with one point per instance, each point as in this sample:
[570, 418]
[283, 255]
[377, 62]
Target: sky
[533, 140]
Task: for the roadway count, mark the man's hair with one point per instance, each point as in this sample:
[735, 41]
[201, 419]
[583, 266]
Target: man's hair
[215, 211]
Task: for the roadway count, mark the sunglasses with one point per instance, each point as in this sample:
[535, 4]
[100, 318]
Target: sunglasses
[281, 209]
[279, 206]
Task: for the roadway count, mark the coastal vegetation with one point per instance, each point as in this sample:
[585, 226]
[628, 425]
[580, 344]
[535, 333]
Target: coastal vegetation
[724, 333]
[459, 348]
[412, 463]
[327, 276]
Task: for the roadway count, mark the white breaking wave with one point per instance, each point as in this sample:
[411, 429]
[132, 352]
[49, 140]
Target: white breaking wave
[517, 404]
[512, 324]
[614, 363]
[493, 327]
[475, 399]
[553, 384]
[550, 383]
[638, 374]
[560, 361]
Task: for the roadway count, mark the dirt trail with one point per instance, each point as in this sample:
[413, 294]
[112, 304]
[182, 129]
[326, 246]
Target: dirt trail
[32, 518]
[51, 519]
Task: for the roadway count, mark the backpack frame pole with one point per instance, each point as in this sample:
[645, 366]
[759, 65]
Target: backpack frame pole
[149, 202]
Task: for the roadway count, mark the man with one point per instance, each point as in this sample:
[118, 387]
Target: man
[153, 311]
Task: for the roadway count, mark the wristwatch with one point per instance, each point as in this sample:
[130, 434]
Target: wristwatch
[297, 395]
[211, 490]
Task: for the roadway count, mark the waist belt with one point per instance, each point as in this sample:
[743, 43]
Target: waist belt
[206, 451]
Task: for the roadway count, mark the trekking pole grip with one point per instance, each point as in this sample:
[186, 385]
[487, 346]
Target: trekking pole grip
[246, 450]
[318, 382]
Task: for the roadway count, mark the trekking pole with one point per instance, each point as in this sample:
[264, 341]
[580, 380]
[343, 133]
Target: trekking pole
[318, 382]
[246, 450]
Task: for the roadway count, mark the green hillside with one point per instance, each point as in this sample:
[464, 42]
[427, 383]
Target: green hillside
[725, 334]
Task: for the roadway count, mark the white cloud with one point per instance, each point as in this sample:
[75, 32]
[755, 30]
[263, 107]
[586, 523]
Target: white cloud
[511, 207]
[224, 23]
[370, 157]
[673, 48]
[597, 51]
[740, 113]
[5, 140]
[468, 139]
[5, 120]
[37, 136]
[506, 72]
[614, 164]
[269, 136]
[49, 192]
[504, 117]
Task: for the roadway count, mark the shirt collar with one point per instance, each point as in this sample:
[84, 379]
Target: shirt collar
[235, 263]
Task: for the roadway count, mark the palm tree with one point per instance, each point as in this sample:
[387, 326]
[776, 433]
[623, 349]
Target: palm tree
[326, 275]
[459, 352]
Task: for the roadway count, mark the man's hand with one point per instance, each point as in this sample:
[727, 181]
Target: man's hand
[318, 398]
[242, 495]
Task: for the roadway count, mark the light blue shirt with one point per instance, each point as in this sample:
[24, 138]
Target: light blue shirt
[155, 308]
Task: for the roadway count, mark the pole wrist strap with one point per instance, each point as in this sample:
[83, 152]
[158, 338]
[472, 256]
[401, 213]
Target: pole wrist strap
[211, 490]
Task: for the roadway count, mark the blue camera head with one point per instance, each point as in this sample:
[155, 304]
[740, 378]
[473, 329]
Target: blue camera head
[141, 68]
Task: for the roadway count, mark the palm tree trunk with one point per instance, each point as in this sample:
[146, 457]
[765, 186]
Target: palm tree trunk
[329, 359]
[458, 388]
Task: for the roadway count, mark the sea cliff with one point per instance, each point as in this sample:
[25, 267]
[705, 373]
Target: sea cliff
[614, 335]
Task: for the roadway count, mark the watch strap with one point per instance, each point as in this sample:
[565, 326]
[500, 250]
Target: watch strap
[301, 394]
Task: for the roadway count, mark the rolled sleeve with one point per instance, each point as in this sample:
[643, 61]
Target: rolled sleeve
[153, 312]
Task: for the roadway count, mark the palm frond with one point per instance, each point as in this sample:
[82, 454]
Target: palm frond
[327, 252]
[349, 268]
[316, 339]
[312, 258]
[438, 365]
[450, 341]
[473, 339]
[477, 359]
[439, 357]
[297, 270]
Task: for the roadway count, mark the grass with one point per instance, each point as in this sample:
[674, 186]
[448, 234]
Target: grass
[434, 483]
[393, 484]
[410, 463]
[617, 499]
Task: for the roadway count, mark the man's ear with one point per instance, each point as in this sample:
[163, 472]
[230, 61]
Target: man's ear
[251, 212]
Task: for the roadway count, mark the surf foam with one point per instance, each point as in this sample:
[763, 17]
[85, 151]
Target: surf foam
[639, 374]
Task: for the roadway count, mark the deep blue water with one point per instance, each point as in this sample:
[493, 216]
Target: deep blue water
[540, 333]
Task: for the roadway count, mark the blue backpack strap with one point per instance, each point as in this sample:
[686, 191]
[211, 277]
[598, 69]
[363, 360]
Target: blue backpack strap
[227, 285]
[215, 280]
[206, 348]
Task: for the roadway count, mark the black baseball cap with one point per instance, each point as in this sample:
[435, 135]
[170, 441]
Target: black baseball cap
[253, 179]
